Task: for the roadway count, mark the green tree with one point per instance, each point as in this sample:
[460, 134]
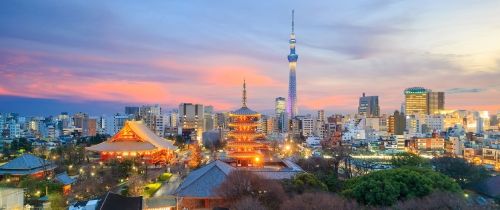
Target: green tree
[332, 182]
[384, 188]
[408, 160]
[57, 201]
[460, 170]
[305, 182]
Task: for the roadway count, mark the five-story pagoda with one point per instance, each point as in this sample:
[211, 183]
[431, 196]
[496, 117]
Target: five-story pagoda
[242, 147]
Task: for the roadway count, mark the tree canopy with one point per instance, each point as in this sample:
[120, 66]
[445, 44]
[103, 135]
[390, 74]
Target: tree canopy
[460, 170]
[384, 188]
[408, 160]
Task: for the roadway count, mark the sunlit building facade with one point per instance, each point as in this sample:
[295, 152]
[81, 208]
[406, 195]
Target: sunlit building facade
[191, 121]
[435, 102]
[416, 101]
[368, 106]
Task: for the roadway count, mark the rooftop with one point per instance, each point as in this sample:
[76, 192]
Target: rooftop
[26, 164]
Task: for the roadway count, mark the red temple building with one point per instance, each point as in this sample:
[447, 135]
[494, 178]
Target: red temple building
[135, 140]
[242, 147]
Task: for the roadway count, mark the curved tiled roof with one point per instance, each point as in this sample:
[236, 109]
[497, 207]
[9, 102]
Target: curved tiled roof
[244, 111]
[203, 181]
[26, 164]
[148, 140]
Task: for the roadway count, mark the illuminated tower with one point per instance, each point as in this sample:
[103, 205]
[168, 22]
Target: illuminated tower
[292, 108]
[242, 147]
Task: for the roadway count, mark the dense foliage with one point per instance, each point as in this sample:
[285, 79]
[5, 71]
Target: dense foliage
[408, 159]
[304, 182]
[387, 187]
[460, 170]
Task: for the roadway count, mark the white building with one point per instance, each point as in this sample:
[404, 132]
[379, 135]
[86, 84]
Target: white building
[313, 142]
[11, 198]
[434, 123]
[414, 125]
[307, 126]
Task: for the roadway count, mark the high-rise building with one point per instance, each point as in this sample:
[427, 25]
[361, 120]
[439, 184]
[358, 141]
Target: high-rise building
[152, 117]
[280, 115]
[435, 102]
[80, 121]
[368, 106]
[292, 108]
[191, 121]
[396, 123]
[319, 128]
[209, 118]
[132, 110]
[416, 101]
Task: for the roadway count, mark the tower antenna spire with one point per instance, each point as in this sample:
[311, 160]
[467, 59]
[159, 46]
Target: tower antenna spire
[293, 20]
[244, 93]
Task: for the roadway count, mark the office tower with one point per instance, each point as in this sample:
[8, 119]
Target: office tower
[292, 108]
[118, 122]
[80, 122]
[414, 124]
[220, 120]
[152, 117]
[132, 110]
[321, 115]
[101, 125]
[191, 121]
[416, 101]
[368, 106]
[280, 115]
[435, 102]
[209, 118]
[92, 126]
[319, 127]
[397, 123]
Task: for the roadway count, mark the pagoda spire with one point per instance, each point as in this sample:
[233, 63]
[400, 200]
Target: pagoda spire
[244, 93]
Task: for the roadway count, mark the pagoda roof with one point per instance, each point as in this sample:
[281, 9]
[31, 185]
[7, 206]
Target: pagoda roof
[134, 136]
[243, 143]
[26, 164]
[244, 111]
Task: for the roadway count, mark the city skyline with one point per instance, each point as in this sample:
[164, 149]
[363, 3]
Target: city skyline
[70, 55]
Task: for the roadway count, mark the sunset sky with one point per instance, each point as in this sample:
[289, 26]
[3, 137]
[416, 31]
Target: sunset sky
[99, 56]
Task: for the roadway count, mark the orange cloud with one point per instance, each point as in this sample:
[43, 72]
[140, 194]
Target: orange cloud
[232, 76]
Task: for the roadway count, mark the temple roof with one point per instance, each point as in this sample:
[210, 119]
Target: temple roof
[134, 136]
[114, 201]
[244, 111]
[26, 164]
[203, 182]
[64, 179]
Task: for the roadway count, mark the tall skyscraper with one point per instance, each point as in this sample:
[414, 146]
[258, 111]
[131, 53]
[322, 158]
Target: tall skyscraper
[435, 102]
[292, 108]
[280, 114]
[416, 101]
[368, 106]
